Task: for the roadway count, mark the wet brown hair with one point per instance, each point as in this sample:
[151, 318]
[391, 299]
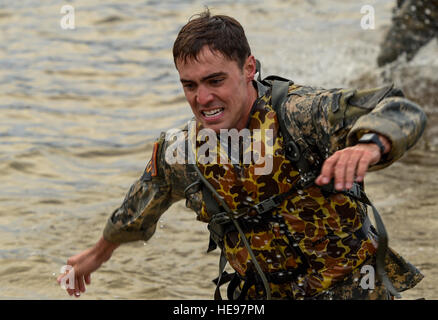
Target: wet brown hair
[219, 32]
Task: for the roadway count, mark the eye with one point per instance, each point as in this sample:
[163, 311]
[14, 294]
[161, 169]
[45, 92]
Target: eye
[188, 86]
[216, 82]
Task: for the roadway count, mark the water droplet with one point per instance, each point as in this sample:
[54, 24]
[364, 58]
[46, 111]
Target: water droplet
[269, 261]
[278, 256]
[300, 192]
[281, 274]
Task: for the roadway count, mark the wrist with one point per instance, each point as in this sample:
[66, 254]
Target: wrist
[380, 141]
[103, 249]
[386, 143]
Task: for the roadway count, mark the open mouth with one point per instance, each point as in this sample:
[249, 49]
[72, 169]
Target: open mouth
[212, 114]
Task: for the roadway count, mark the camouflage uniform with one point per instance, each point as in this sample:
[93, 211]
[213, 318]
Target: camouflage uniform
[415, 23]
[313, 237]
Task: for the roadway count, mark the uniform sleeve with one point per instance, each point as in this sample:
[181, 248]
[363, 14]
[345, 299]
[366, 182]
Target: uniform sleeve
[334, 119]
[147, 199]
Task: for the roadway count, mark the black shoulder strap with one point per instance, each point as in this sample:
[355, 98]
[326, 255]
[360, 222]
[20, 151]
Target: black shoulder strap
[296, 148]
[280, 90]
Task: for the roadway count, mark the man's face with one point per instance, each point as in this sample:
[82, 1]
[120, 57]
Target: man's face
[219, 92]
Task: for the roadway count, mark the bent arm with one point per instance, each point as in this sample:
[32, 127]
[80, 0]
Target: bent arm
[331, 120]
[401, 121]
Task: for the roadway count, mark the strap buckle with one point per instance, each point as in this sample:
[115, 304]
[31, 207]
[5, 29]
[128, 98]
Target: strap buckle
[292, 151]
[266, 205]
[192, 188]
[220, 218]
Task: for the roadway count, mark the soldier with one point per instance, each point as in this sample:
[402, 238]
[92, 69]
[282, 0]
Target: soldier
[283, 229]
[415, 23]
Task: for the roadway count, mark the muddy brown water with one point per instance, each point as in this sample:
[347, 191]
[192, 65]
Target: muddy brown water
[79, 110]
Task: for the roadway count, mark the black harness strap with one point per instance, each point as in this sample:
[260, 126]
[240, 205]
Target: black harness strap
[297, 149]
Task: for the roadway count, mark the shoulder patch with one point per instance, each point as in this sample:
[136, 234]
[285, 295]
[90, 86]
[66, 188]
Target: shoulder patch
[151, 168]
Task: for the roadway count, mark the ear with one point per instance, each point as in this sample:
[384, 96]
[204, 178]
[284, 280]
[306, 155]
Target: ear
[250, 68]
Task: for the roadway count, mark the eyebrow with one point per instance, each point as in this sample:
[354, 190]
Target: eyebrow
[210, 76]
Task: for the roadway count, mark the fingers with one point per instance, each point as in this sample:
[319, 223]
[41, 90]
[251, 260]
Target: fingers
[346, 166]
[350, 170]
[73, 283]
[362, 168]
[327, 169]
[76, 289]
[81, 285]
[87, 279]
[340, 169]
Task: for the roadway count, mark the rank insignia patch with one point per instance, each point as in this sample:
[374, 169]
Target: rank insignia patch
[151, 168]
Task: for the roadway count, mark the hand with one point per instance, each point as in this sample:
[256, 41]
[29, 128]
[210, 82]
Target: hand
[346, 164]
[87, 262]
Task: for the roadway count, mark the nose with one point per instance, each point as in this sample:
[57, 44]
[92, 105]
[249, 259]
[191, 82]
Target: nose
[203, 96]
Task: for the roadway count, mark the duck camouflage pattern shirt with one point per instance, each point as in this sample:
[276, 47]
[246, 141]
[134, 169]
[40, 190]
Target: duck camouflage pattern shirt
[315, 234]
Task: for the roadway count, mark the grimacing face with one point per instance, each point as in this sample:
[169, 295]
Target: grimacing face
[219, 92]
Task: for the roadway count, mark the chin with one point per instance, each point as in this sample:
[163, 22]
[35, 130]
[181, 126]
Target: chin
[215, 127]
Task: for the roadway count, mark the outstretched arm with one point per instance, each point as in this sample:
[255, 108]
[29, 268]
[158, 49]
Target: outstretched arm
[136, 219]
[87, 262]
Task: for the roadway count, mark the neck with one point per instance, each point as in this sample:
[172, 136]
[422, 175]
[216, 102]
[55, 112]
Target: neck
[252, 97]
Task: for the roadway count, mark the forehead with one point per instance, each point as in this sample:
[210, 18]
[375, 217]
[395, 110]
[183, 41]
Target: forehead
[206, 62]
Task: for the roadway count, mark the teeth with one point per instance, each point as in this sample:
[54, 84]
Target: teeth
[212, 112]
